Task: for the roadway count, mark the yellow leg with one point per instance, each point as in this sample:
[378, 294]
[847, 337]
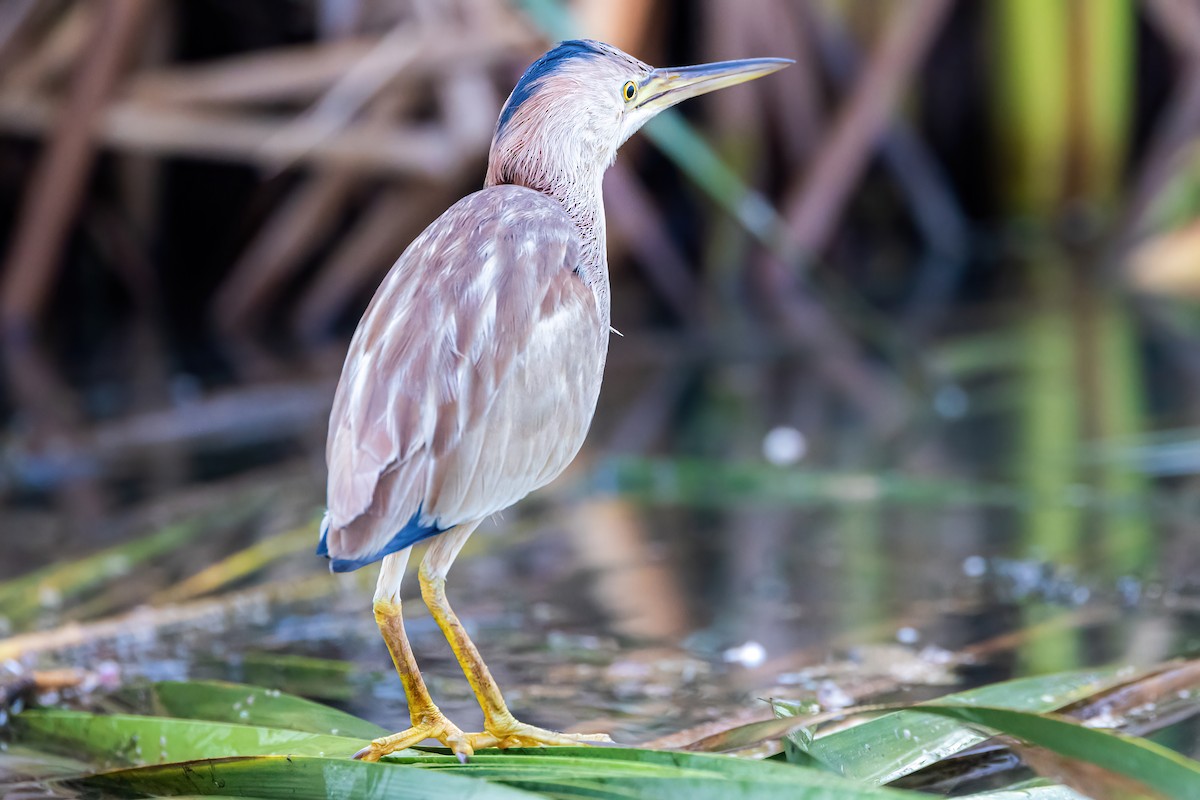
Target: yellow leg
[501, 728]
[428, 722]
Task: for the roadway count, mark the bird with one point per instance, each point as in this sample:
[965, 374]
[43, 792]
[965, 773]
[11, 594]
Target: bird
[473, 375]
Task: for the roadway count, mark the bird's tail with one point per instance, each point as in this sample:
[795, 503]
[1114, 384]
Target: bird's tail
[360, 543]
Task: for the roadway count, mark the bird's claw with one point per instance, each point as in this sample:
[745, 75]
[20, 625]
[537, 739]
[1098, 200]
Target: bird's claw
[441, 729]
[464, 745]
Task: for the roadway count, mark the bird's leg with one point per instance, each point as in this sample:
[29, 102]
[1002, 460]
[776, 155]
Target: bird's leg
[428, 722]
[501, 728]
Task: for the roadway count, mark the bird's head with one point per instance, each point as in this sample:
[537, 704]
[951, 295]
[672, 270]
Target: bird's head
[579, 102]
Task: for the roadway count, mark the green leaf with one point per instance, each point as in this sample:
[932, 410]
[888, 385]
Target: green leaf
[1155, 766]
[120, 739]
[1042, 791]
[324, 678]
[297, 778]
[897, 744]
[218, 701]
[487, 776]
[754, 735]
[654, 774]
[589, 761]
[671, 788]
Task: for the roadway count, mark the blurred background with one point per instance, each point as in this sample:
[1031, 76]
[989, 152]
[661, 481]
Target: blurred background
[909, 376]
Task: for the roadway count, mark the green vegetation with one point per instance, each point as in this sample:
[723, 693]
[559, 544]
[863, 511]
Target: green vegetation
[229, 740]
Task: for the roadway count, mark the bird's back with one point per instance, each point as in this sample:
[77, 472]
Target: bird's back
[471, 380]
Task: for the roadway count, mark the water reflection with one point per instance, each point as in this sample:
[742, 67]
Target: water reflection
[638, 595]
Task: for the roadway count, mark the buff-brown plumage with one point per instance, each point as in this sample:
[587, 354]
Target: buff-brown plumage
[472, 377]
[474, 373]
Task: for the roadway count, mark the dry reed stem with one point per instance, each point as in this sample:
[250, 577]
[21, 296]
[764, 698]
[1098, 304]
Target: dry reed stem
[378, 236]
[792, 97]
[57, 52]
[623, 23]
[279, 249]
[1178, 22]
[814, 204]
[304, 72]
[420, 151]
[59, 180]
[640, 228]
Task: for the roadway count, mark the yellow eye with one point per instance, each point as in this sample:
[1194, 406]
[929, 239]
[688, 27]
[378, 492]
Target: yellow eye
[629, 92]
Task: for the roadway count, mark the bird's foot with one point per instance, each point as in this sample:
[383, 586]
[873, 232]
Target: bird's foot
[464, 745]
[431, 727]
[517, 734]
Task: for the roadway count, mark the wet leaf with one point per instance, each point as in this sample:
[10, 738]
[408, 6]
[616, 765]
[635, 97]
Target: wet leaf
[119, 739]
[565, 760]
[561, 772]
[297, 778]
[1161, 688]
[1037, 790]
[486, 776]
[218, 701]
[324, 678]
[1160, 769]
[889, 747]
[753, 735]
[1090, 780]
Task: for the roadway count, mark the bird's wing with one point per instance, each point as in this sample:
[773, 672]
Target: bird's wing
[437, 340]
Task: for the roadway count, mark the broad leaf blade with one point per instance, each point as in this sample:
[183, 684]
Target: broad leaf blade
[219, 701]
[512, 777]
[1144, 761]
[297, 778]
[120, 739]
[889, 747]
[1043, 791]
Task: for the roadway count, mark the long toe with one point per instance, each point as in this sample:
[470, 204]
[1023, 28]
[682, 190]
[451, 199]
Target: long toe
[522, 735]
[442, 729]
[386, 745]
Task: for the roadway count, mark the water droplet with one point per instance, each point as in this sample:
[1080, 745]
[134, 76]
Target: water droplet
[784, 446]
[951, 402]
[750, 654]
[974, 566]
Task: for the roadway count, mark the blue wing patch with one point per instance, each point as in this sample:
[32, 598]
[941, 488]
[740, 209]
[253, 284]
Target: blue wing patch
[412, 532]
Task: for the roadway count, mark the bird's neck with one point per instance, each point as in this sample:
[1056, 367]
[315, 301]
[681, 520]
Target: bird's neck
[586, 210]
[582, 198]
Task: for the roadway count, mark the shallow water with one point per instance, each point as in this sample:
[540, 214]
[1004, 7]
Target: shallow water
[637, 596]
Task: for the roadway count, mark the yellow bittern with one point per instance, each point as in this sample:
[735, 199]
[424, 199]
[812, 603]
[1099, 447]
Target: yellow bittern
[473, 375]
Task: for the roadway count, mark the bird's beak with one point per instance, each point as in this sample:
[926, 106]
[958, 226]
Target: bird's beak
[670, 85]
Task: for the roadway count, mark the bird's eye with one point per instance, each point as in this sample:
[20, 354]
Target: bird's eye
[629, 92]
